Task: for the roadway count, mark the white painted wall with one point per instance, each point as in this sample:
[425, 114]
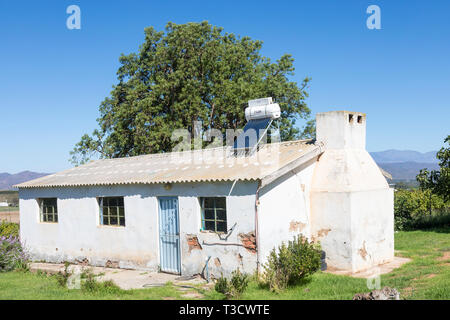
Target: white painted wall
[79, 235]
[284, 210]
[352, 209]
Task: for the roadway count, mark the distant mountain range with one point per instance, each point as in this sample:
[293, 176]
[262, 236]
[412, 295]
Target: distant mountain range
[7, 180]
[405, 164]
[396, 156]
[401, 164]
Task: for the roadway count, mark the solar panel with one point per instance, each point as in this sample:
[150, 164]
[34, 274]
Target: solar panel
[254, 130]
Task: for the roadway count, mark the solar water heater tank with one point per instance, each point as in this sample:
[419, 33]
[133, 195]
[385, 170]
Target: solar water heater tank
[262, 109]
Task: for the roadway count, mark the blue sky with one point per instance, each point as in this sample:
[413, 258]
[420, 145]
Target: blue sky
[52, 79]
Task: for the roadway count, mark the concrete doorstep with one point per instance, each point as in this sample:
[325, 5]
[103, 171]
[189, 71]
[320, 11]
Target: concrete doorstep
[124, 278]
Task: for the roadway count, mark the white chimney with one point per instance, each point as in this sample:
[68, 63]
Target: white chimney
[341, 129]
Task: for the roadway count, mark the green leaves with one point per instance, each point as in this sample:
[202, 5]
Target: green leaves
[191, 72]
[438, 181]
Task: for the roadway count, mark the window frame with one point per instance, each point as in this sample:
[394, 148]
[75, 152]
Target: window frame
[117, 215]
[44, 216]
[215, 220]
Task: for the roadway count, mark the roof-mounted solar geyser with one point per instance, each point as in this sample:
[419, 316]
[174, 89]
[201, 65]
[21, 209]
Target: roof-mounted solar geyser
[261, 109]
[260, 113]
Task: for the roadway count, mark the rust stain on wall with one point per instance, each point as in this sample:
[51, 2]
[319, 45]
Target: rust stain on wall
[322, 232]
[217, 262]
[363, 252]
[192, 242]
[296, 226]
[249, 241]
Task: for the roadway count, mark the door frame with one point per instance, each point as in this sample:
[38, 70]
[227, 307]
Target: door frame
[159, 234]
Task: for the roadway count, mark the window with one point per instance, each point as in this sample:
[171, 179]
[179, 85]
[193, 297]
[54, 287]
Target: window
[214, 214]
[112, 211]
[49, 210]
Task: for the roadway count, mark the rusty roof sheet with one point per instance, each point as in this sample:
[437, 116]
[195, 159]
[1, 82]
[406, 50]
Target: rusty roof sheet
[216, 164]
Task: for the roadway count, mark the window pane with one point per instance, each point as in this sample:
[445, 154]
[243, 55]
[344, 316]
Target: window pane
[220, 203]
[120, 201]
[105, 220]
[50, 218]
[221, 227]
[122, 221]
[113, 220]
[221, 214]
[56, 218]
[112, 202]
[214, 213]
[209, 203]
[209, 225]
[113, 211]
[121, 212]
[208, 214]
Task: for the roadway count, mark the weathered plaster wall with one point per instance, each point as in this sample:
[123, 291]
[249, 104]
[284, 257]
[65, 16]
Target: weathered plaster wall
[284, 209]
[352, 210]
[78, 234]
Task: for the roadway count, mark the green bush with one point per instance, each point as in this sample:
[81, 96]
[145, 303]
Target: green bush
[233, 288]
[418, 209]
[90, 284]
[9, 229]
[63, 277]
[291, 263]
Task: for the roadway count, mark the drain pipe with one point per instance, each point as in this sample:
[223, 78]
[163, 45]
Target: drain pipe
[257, 227]
[207, 269]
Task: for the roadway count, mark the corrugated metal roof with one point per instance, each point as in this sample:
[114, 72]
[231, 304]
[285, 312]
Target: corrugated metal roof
[216, 164]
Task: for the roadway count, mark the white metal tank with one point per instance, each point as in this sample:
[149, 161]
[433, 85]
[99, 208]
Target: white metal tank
[262, 109]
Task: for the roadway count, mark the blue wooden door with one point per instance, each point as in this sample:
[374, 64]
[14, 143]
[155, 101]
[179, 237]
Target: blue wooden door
[169, 235]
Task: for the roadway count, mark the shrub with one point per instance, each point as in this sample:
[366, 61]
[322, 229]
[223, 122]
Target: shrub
[91, 285]
[416, 208]
[12, 255]
[63, 277]
[291, 263]
[233, 288]
[9, 229]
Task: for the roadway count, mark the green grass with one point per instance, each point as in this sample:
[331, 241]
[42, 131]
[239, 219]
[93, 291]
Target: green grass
[9, 209]
[427, 276]
[27, 285]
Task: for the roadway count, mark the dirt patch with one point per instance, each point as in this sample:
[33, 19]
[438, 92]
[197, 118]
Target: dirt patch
[193, 295]
[445, 257]
[430, 276]
[12, 216]
[249, 241]
[193, 243]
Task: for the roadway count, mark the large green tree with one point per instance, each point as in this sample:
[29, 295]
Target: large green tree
[191, 72]
[438, 181]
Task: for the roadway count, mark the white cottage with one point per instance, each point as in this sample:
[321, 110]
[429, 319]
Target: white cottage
[188, 211]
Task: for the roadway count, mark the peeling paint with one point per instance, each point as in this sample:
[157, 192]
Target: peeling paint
[192, 242]
[112, 264]
[249, 241]
[296, 226]
[83, 262]
[363, 252]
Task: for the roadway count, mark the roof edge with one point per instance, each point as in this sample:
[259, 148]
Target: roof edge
[293, 165]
